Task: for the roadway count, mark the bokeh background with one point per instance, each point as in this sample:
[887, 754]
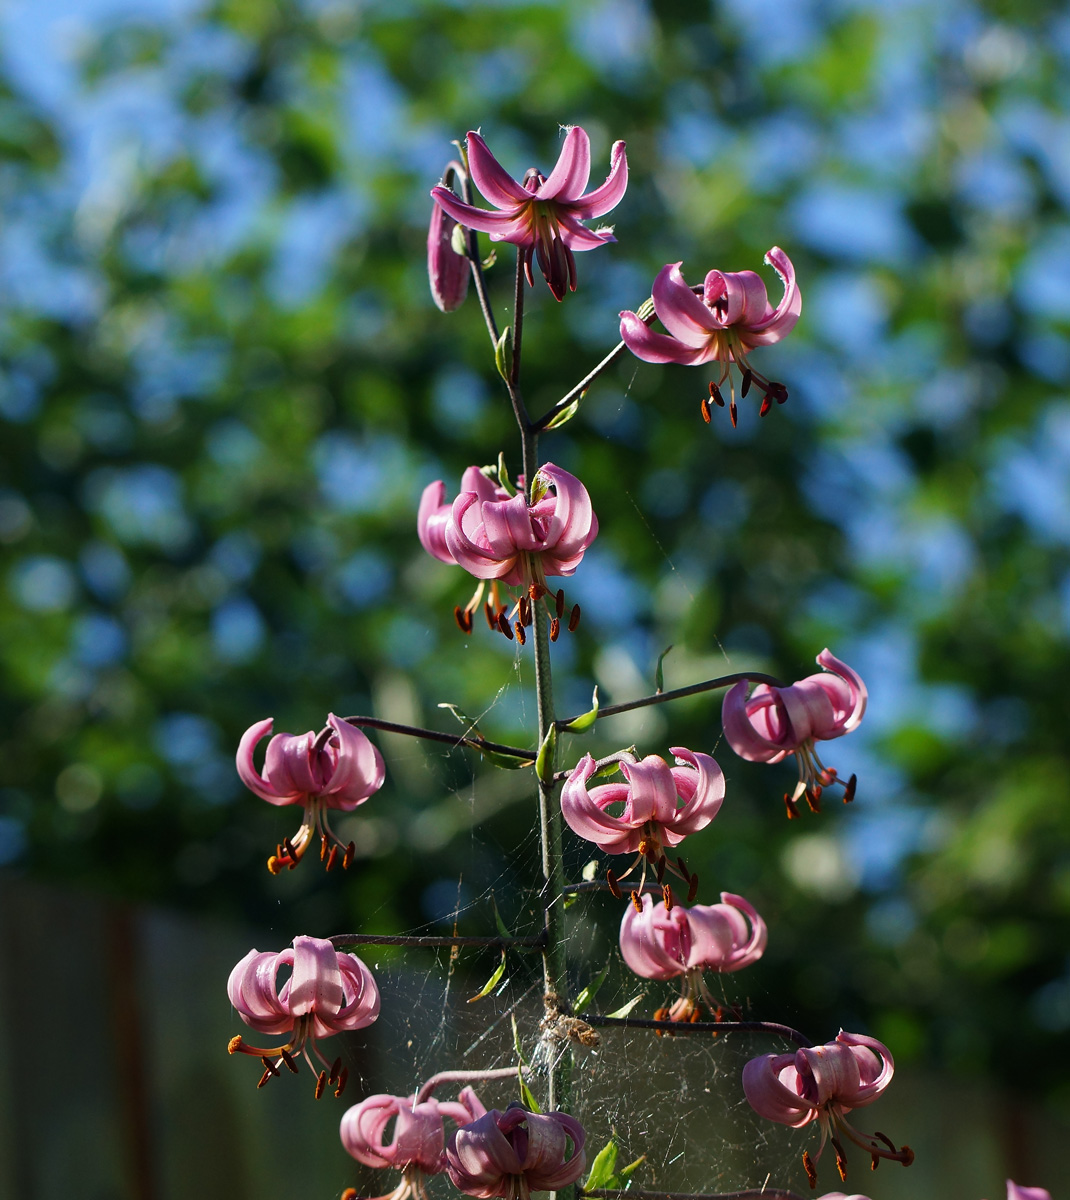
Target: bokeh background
[224, 385]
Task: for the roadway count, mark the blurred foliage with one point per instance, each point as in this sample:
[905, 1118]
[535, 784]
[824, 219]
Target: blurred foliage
[224, 385]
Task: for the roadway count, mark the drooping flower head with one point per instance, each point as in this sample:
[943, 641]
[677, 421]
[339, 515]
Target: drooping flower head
[823, 1084]
[337, 768]
[515, 1153]
[501, 538]
[730, 318]
[417, 1147]
[773, 722]
[447, 271]
[660, 943]
[661, 804]
[542, 215]
[327, 992]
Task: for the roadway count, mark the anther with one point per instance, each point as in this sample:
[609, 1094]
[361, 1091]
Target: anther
[644, 847]
[875, 1163]
[525, 611]
[666, 895]
[813, 798]
[791, 806]
[269, 1066]
[849, 790]
[287, 1058]
[659, 869]
[349, 1194]
[263, 1079]
[683, 867]
[885, 1139]
[234, 1045]
[744, 387]
[559, 602]
[536, 591]
[336, 1067]
[503, 625]
[692, 889]
[715, 395]
[809, 1168]
[705, 407]
[488, 612]
[615, 891]
[767, 404]
[343, 1077]
[841, 1159]
[321, 1083]
[347, 858]
[323, 846]
[463, 619]
[555, 629]
[733, 413]
[521, 636]
[637, 904]
[332, 858]
[661, 1014]
[574, 619]
[291, 852]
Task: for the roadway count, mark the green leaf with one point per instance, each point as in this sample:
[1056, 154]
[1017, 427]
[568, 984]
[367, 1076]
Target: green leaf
[611, 768]
[490, 260]
[463, 717]
[590, 870]
[503, 474]
[503, 354]
[584, 720]
[503, 929]
[659, 676]
[516, 1043]
[585, 997]
[627, 1171]
[625, 1009]
[508, 761]
[567, 413]
[569, 900]
[605, 1161]
[526, 1094]
[491, 983]
[544, 764]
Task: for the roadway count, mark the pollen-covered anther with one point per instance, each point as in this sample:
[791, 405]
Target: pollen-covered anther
[813, 798]
[347, 857]
[287, 1058]
[637, 902]
[504, 626]
[667, 896]
[524, 609]
[263, 1079]
[269, 1066]
[332, 858]
[489, 613]
[704, 407]
[841, 1159]
[555, 629]
[336, 1066]
[809, 1168]
[792, 807]
[349, 1194]
[321, 1083]
[343, 1078]
[614, 890]
[463, 618]
[715, 395]
[521, 636]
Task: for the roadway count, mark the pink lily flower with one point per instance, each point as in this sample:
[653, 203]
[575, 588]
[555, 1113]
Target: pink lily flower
[731, 317]
[418, 1144]
[1016, 1192]
[542, 215]
[662, 804]
[665, 944]
[338, 768]
[328, 992]
[516, 1152]
[774, 722]
[447, 271]
[505, 540]
[823, 1084]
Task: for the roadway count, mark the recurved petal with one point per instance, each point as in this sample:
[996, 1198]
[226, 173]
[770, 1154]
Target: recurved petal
[431, 520]
[569, 177]
[480, 1152]
[251, 990]
[247, 769]
[548, 1165]
[829, 1073]
[361, 995]
[1016, 1192]
[476, 560]
[783, 318]
[573, 525]
[584, 816]
[653, 347]
[764, 1082]
[651, 791]
[653, 948]
[289, 767]
[699, 782]
[316, 983]
[681, 312]
[506, 226]
[742, 736]
[609, 194]
[875, 1066]
[495, 184]
[747, 302]
[578, 237]
[363, 1126]
[359, 771]
[850, 706]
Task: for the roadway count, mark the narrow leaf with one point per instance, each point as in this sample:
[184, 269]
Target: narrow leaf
[490, 260]
[602, 1168]
[463, 717]
[509, 761]
[659, 674]
[624, 1010]
[585, 997]
[625, 1172]
[565, 415]
[491, 983]
[503, 354]
[516, 1043]
[503, 929]
[544, 764]
[584, 720]
[526, 1094]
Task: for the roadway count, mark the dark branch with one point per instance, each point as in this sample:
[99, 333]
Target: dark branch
[448, 739]
[784, 1031]
[709, 685]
